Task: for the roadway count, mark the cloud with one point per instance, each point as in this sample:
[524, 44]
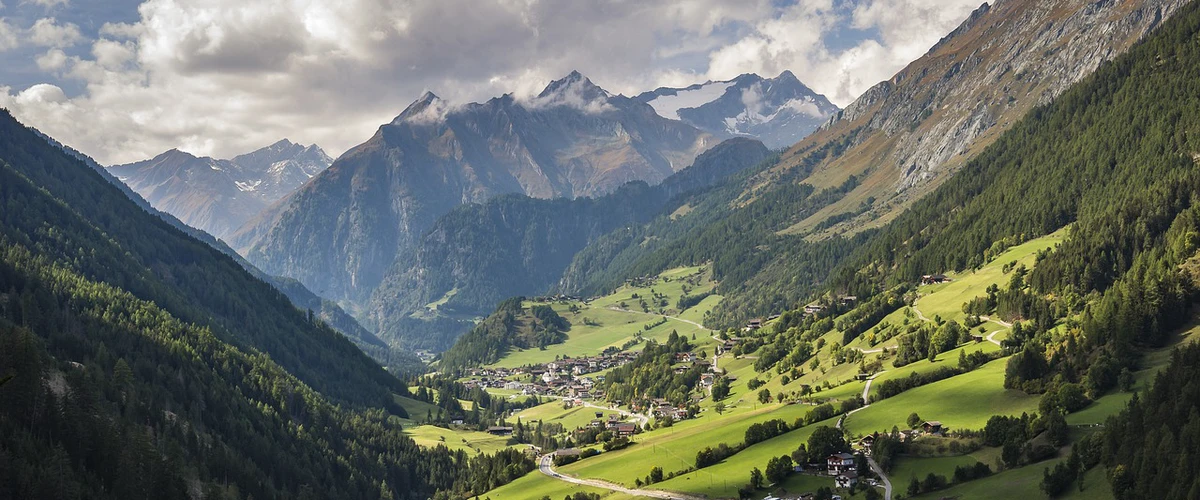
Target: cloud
[46, 32]
[796, 40]
[8, 36]
[221, 77]
[52, 60]
[50, 4]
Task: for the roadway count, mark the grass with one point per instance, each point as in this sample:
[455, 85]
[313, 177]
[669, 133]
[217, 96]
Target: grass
[723, 479]
[675, 448]
[535, 485]
[553, 412]
[962, 402]
[907, 468]
[470, 441]
[946, 299]
[597, 326]
[1022, 482]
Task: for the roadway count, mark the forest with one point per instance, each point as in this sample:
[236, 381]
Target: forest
[142, 363]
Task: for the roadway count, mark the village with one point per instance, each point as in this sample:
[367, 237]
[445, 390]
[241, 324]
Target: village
[575, 380]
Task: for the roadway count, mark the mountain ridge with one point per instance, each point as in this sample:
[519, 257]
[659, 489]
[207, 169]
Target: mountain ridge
[216, 195]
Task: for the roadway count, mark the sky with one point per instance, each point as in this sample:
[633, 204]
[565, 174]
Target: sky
[124, 80]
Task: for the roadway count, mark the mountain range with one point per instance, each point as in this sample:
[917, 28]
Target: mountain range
[345, 231]
[218, 196]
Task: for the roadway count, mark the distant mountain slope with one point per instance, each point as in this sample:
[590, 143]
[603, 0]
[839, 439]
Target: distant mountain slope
[396, 360]
[218, 196]
[141, 253]
[479, 254]
[935, 114]
[778, 111]
[340, 233]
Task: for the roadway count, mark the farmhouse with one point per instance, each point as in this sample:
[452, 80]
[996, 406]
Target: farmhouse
[813, 308]
[933, 279]
[625, 429]
[839, 463]
[846, 479]
[932, 427]
[867, 441]
[497, 430]
[754, 324]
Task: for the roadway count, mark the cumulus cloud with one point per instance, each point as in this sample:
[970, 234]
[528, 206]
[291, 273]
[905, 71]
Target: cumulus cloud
[796, 41]
[8, 36]
[47, 32]
[221, 77]
[52, 60]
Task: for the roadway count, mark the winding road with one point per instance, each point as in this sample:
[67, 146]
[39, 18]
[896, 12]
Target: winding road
[546, 465]
[887, 484]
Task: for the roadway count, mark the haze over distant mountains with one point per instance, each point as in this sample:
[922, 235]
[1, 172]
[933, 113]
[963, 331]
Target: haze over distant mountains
[218, 196]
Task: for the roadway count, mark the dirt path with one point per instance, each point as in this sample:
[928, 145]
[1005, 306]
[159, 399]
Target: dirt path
[920, 314]
[992, 336]
[641, 419]
[547, 467]
[676, 318]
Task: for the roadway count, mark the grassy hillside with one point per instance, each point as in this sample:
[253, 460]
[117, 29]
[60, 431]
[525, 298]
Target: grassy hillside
[605, 322]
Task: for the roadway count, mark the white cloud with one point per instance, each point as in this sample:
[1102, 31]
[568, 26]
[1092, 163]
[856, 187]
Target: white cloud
[8, 36]
[222, 77]
[52, 60]
[49, 4]
[46, 32]
[796, 41]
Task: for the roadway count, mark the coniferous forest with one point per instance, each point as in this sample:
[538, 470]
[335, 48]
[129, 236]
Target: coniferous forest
[146, 364]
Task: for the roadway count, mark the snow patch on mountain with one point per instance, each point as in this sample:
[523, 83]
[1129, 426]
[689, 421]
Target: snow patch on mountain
[668, 105]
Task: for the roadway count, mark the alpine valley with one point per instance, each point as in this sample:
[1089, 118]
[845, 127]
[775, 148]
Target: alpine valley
[974, 281]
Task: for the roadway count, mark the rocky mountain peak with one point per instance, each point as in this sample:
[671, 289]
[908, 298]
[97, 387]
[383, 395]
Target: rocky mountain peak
[573, 90]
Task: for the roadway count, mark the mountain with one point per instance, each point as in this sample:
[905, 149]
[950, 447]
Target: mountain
[396, 360]
[778, 111]
[481, 253]
[218, 196]
[775, 235]
[341, 232]
[138, 362]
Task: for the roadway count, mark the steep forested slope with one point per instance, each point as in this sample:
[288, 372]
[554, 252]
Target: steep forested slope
[66, 212]
[396, 360]
[1115, 159]
[766, 236]
[140, 363]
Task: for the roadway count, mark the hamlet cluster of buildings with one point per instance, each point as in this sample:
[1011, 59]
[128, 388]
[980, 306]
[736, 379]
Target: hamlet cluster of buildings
[566, 378]
[570, 379]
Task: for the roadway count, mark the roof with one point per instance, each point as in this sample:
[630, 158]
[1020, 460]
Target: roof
[935, 423]
[843, 455]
